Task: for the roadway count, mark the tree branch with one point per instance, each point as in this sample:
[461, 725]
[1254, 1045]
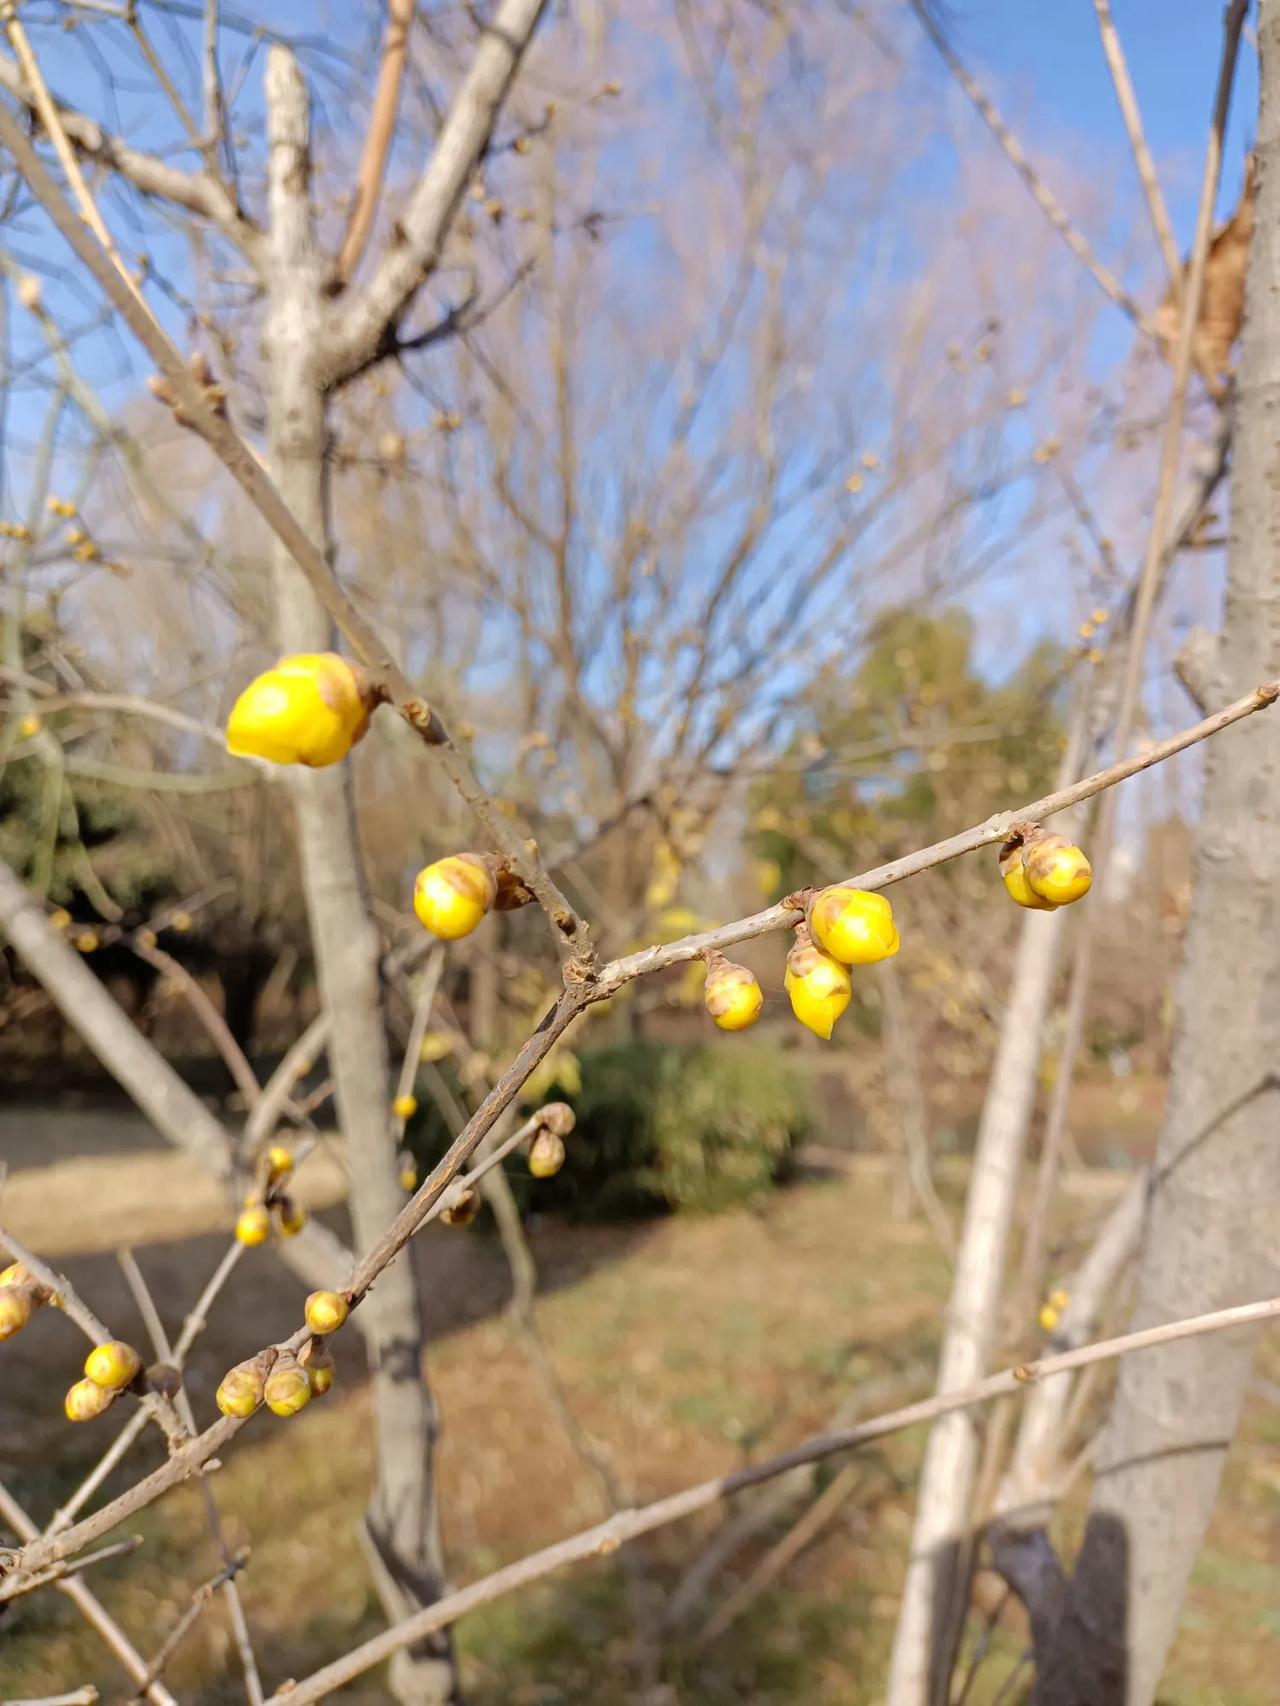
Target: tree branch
[377, 142]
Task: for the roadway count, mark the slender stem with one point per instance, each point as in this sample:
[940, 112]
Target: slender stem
[606, 1537]
[1132, 116]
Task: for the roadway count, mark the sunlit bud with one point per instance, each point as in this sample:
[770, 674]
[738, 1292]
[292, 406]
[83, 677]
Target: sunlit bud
[1014, 874]
[855, 926]
[310, 709]
[405, 1107]
[254, 1225]
[291, 1217]
[279, 1163]
[818, 985]
[1056, 870]
[453, 895]
[546, 1154]
[731, 994]
[326, 1311]
[87, 1399]
[558, 1117]
[1059, 1298]
[29, 726]
[1048, 1317]
[241, 1390]
[85, 940]
[112, 1365]
[180, 921]
[15, 1274]
[320, 1370]
[59, 918]
[1099, 616]
[18, 1303]
[287, 1388]
[463, 1209]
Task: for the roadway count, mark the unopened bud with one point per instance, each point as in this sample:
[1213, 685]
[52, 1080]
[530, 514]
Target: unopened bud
[731, 995]
[558, 1117]
[291, 1217]
[451, 896]
[818, 985]
[287, 1388]
[113, 1365]
[463, 1209]
[855, 926]
[254, 1225]
[17, 1305]
[326, 1311]
[87, 1399]
[546, 1154]
[241, 1390]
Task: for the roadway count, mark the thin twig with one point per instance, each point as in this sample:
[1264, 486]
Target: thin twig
[1043, 196]
[199, 1599]
[607, 1536]
[1132, 116]
[377, 142]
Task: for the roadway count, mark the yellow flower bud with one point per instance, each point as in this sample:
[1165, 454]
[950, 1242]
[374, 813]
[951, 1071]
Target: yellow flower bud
[113, 1366]
[319, 1366]
[546, 1154]
[254, 1225]
[180, 921]
[59, 918]
[287, 1388]
[405, 1107]
[453, 895]
[85, 940]
[29, 725]
[1048, 1317]
[15, 1274]
[1059, 1298]
[279, 1163]
[1056, 871]
[87, 1399]
[291, 1217]
[463, 1210]
[240, 1391]
[731, 994]
[855, 926]
[326, 1311]
[819, 986]
[1013, 871]
[409, 1179]
[17, 1306]
[310, 709]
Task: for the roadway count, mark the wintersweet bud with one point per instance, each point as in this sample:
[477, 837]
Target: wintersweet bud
[1056, 870]
[112, 1365]
[254, 1225]
[546, 1154]
[1014, 874]
[819, 986]
[287, 1388]
[241, 1390]
[451, 896]
[291, 1217]
[310, 709]
[87, 1399]
[326, 1311]
[731, 994]
[405, 1107]
[855, 926]
[18, 1304]
[463, 1209]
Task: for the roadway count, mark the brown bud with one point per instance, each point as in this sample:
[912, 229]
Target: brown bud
[558, 1117]
[463, 1209]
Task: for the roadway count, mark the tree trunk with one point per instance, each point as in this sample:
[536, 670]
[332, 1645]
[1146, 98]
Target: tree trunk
[1212, 1213]
[401, 1522]
[928, 1619]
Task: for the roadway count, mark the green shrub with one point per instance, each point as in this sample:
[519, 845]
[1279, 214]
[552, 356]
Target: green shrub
[666, 1128]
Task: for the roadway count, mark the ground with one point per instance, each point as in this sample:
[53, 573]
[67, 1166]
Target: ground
[685, 1347]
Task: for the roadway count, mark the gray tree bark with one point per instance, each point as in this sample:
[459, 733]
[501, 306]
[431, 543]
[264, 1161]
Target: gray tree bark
[1212, 1211]
[402, 1527]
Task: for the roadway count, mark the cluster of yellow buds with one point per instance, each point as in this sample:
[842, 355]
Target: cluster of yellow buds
[731, 994]
[454, 894]
[109, 1369]
[268, 1204]
[546, 1148]
[60, 506]
[310, 709]
[1044, 871]
[844, 927]
[14, 530]
[1051, 1309]
[21, 1294]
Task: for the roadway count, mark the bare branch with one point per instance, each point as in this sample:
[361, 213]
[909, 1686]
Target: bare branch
[607, 1536]
[369, 318]
[377, 142]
